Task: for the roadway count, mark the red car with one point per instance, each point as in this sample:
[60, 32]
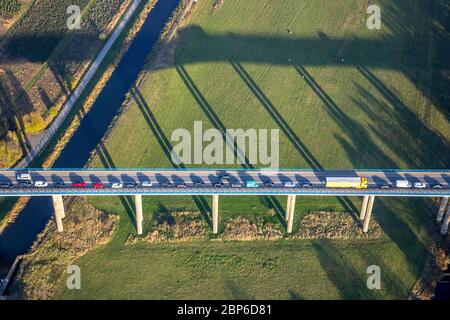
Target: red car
[98, 185]
[79, 184]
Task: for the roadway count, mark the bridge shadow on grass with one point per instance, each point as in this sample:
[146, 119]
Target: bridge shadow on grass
[166, 147]
[400, 128]
[107, 162]
[269, 201]
[371, 154]
[127, 201]
[301, 148]
[362, 151]
[350, 283]
[236, 292]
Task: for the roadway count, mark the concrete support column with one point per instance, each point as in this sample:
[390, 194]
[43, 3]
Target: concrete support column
[362, 214]
[58, 212]
[446, 222]
[288, 208]
[215, 213]
[139, 214]
[290, 212]
[441, 211]
[368, 214]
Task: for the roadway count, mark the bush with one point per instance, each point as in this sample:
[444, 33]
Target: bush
[9, 7]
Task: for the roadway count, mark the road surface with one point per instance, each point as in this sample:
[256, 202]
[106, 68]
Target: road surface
[176, 182]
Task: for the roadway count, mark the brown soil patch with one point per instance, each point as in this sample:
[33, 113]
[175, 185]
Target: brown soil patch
[242, 229]
[174, 227]
[335, 225]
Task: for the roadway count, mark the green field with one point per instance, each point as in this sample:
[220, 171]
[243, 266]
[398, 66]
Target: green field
[239, 67]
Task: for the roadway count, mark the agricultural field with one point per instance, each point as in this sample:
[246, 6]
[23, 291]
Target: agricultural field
[342, 96]
[9, 8]
[37, 79]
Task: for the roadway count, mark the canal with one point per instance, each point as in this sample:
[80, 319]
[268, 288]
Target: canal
[20, 235]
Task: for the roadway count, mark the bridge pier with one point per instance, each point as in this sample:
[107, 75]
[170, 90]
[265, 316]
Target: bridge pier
[446, 222]
[290, 208]
[58, 212]
[441, 211]
[362, 213]
[215, 213]
[139, 214]
[368, 213]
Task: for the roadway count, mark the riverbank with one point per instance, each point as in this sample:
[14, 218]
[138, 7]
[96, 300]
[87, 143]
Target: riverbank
[84, 104]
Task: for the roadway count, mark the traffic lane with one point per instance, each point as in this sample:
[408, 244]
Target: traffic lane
[228, 191]
[211, 176]
[241, 177]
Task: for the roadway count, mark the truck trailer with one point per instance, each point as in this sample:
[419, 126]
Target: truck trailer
[347, 182]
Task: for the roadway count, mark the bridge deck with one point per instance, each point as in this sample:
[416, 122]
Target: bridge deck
[208, 178]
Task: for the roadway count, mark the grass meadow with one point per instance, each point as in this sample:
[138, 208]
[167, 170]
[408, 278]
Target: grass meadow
[341, 95]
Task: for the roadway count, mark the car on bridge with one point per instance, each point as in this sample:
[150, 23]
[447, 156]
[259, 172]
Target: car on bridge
[25, 184]
[251, 184]
[290, 184]
[403, 184]
[23, 177]
[98, 185]
[420, 185]
[146, 184]
[117, 185]
[41, 184]
[131, 185]
[79, 184]
[6, 185]
[59, 184]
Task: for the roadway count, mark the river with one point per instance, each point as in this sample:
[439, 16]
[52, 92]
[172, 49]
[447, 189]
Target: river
[20, 235]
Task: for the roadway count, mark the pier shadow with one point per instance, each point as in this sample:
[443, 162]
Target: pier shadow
[350, 282]
[301, 148]
[166, 147]
[270, 201]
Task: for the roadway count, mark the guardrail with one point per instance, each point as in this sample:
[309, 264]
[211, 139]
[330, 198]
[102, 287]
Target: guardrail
[188, 191]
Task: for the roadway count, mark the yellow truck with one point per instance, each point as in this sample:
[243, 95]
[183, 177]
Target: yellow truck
[347, 182]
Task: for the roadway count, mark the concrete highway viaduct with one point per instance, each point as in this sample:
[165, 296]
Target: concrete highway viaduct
[289, 183]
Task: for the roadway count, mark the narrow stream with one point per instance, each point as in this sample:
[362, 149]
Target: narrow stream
[19, 236]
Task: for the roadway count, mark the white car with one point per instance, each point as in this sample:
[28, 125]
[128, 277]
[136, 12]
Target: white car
[117, 185]
[40, 184]
[23, 177]
[289, 184]
[420, 185]
[403, 184]
[146, 184]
